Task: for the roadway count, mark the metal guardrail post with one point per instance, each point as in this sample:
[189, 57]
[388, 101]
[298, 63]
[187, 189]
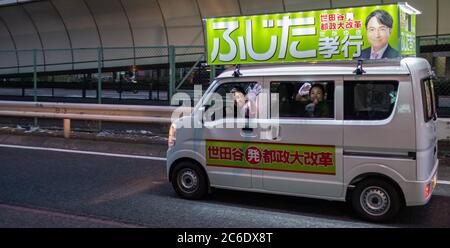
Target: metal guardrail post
[172, 72]
[66, 128]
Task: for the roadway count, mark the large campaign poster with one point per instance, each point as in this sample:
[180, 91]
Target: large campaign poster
[371, 32]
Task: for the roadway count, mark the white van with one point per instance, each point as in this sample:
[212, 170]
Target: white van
[370, 140]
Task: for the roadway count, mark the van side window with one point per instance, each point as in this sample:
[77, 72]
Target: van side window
[241, 101]
[428, 99]
[369, 100]
[312, 99]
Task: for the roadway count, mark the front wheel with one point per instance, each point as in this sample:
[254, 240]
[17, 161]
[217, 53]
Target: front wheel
[376, 200]
[189, 181]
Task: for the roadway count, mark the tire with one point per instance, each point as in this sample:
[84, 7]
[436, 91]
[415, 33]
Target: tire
[189, 181]
[376, 200]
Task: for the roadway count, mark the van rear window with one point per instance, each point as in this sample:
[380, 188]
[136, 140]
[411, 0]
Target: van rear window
[369, 100]
[429, 100]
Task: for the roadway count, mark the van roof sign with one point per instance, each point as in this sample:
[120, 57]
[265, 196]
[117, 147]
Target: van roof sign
[372, 32]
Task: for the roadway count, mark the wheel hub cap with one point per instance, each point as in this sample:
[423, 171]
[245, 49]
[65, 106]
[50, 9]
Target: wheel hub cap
[188, 180]
[375, 201]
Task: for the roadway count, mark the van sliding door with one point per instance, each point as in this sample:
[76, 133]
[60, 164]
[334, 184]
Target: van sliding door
[303, 155]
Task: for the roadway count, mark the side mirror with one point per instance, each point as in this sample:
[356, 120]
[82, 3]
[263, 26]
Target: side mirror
[205, 107]
[199, 114]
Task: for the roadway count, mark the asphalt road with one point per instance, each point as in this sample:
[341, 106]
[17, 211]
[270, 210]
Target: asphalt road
[56, 189]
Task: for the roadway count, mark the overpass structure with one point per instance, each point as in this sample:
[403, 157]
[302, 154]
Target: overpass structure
[60, 35]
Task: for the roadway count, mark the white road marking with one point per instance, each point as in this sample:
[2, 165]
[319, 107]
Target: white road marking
[83, 152]
[111, 154]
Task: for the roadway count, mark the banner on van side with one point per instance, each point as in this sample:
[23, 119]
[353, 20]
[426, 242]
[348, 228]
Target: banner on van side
[373, 32]
[270, 156]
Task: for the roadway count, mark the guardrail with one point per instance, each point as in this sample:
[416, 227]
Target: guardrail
[118, 113]
[96, 112]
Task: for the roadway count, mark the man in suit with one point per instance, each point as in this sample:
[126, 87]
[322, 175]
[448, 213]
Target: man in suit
[379, 27]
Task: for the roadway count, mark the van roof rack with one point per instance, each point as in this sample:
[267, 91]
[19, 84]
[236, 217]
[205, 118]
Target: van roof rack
[385, 62]
[359, 68]
[237, 71]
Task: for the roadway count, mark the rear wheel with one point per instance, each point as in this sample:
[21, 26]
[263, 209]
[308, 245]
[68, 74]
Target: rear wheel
[376, 200]
[189, 181]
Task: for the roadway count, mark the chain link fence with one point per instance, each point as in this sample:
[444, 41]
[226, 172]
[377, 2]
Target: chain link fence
[139, 75]
[113, 75]
[142, 75]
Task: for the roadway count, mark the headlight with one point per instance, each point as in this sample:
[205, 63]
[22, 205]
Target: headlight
[172, 135]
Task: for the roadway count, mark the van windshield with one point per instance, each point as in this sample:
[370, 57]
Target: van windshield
[200, 101]
[429, 99]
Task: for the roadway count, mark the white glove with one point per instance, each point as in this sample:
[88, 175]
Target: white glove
[253, 92]
[304, 90]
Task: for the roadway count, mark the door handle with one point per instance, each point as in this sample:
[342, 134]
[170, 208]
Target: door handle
[275, 132]
[247, 130]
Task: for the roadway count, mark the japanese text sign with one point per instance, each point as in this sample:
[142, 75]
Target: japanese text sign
[407, 33]
[373, 32]
[269, 156]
